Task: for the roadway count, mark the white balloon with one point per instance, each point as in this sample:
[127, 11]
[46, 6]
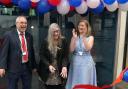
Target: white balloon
[112, 7]
[34, 0]
[93, 3]
[82, 8]
[124, 6]
[64, 7]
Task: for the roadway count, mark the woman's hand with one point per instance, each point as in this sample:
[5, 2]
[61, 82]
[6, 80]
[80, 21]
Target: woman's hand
[74, 33]
[52, 69]
[64, 72]
[73, 41]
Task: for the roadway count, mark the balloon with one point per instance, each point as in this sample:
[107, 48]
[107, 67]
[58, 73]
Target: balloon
[112, 7]
[34, 4]
[122, 1]
[35, 1]
[5, 2]
[15, 2]
[24, 4]
[82, 8]
[43, 7]
[109, 2]
[64, 7]
[123, 6]
[125, 77]
[93, 3]
[74, 3]
[54, 2]
[99, 9]
[72, 8]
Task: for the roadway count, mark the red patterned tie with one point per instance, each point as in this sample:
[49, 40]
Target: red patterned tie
[24, 49]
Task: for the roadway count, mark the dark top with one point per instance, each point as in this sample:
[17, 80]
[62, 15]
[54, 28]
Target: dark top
[11, 54]
[46, 58]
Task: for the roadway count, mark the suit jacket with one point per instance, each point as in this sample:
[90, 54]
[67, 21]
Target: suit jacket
[46, 59]
[11, 54]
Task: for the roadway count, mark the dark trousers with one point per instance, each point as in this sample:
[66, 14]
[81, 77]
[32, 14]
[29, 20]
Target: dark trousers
[42, 85]
[54, 87]
[24, 75]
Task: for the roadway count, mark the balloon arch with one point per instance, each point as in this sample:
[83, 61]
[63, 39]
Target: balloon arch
[65, 6]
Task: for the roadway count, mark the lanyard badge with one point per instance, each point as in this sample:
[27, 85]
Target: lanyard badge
[80, 53]
[24, 53]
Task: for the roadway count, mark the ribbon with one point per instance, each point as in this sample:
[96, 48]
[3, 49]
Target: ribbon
[118, 80]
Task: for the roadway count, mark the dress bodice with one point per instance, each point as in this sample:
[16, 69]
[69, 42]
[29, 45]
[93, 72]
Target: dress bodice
[80, 46]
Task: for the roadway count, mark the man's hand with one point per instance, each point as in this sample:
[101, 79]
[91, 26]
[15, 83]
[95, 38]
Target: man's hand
[2, 72]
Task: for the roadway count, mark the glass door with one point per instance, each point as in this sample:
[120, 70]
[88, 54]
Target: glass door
[104, 31]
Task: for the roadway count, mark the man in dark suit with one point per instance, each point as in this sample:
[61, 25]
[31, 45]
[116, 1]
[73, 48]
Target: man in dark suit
[17, 55]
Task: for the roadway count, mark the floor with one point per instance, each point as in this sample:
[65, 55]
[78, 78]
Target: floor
[37, 85]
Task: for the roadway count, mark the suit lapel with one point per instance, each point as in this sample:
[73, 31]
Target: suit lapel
[16, 37]
[27, 40]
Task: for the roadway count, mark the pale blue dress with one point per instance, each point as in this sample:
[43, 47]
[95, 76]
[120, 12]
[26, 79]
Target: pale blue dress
[82, 67]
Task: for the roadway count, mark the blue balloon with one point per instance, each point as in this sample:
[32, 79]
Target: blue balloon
[99, 9]
[109, 2]
[75, 3]
[43, 7]
[125, 77]
[15, 2]
[24, 4]
[122, 1]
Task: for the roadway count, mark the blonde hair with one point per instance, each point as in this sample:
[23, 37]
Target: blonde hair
[51, 43]
[88, 26]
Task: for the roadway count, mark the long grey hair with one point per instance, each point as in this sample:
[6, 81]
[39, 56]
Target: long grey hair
[52, 46]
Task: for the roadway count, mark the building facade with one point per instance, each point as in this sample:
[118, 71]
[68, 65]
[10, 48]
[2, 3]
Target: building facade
[110, 51]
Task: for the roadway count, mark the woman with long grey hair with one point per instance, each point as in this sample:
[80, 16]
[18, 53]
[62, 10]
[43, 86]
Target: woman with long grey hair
[53, 58]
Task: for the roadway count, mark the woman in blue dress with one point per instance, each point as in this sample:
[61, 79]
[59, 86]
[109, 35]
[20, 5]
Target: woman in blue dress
[82, 67]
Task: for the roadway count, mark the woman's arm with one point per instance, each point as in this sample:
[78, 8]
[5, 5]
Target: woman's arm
[65, 53]
[43, 53]
[65, 59]
[88, 44]
[73, 41]
[72, 44]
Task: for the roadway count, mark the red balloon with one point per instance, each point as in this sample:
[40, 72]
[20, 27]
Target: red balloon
[72, 8]
[54, 2]
[33, 4]
[5, 2]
